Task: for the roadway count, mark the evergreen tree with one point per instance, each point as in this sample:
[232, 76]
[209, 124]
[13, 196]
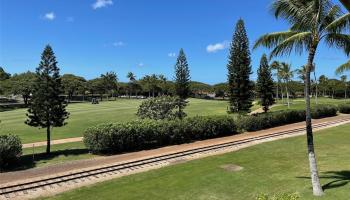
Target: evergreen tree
[239, 70]
[264, 84]
[47, 109]
[182, 82]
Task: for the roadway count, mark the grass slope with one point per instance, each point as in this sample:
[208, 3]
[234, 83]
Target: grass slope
[83, 115]
[273, 167]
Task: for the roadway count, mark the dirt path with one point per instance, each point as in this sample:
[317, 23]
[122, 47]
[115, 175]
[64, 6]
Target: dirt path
[61, 141]
[64, 168]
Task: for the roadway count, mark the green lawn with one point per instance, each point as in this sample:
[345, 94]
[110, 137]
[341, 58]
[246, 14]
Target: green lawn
[299, 104]
[60, 153]
[84, 115]
[273, 167]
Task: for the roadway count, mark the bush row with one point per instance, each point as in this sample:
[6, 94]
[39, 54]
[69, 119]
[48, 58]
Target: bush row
[279, 118]
[10, 150]
[145, 134]
[344, 108]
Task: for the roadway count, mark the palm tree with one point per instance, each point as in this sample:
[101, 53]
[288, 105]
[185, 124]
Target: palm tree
[311, 21]
[132, 79]
[163, 83]
[277, 67]
[286, 74]
[302, 73]
[344, 81]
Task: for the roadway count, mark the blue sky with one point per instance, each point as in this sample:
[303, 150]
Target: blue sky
[91, 37]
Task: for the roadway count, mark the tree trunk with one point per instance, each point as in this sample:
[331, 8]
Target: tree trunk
[277, 97]
[316, 84]
[315, 180]
[287, 95]
[48, 136]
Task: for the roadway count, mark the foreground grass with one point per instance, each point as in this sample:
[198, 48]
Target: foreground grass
[273, 167]
[84, 115]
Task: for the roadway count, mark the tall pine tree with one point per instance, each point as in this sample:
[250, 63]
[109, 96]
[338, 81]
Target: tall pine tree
[239, 70]
[182, 82]
[47, 109]
[264, 84]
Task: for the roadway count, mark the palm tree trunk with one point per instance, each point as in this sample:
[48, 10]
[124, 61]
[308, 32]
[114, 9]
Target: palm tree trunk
[315, 180]
[277, 97]
[316, 84]
[48, 140]
[287, 95]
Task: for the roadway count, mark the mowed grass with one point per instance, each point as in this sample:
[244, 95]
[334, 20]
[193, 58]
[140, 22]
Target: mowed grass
[299, 103]
[84, 115]
[273, 167]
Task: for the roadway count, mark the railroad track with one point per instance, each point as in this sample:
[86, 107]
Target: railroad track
[92, 175]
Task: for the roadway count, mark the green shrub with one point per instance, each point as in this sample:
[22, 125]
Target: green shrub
[159, 108]
[279, 118]
[344, 108]
[10, 150]
[145, 134]
[322, 111]
[269, 120]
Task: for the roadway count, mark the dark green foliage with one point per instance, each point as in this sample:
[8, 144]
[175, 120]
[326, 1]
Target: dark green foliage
[22, 84]
[273, 119]
[10, 150]
[4, 75]
[158, 108]
[269, 120]
[344, 108]
[182, 76]
[265, 85]
[182, 83]
[47, 108]
[239, 70]
[145, 134]
[322, 111]
[73, 85]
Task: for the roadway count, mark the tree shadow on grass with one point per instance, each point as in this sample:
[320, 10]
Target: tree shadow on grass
[26, 161]
[337, 179]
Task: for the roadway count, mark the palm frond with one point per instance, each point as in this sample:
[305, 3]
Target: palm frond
[298, 42]
[332, 15]
[341, 41]
[342, 68]
[291, 10]
[340, 24]
[271, 40]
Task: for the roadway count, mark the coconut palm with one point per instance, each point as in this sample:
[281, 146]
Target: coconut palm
[344, 81]
[276, 66]
[302, 73]
[311, 22]
[132, 79]
[286, 74]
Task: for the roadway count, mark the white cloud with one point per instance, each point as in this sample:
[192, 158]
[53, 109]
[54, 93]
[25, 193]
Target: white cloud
[213, 48]
[141, 64]
[118, 44]
[50, 16]
[171, 54]
[101, 4]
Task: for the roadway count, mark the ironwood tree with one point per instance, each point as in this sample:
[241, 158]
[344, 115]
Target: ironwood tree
[47, 108]
[239, 69]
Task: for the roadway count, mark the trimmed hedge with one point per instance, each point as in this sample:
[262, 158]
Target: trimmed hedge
[10, 150]
[145, 134]
[273, 119]
[344, 108]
